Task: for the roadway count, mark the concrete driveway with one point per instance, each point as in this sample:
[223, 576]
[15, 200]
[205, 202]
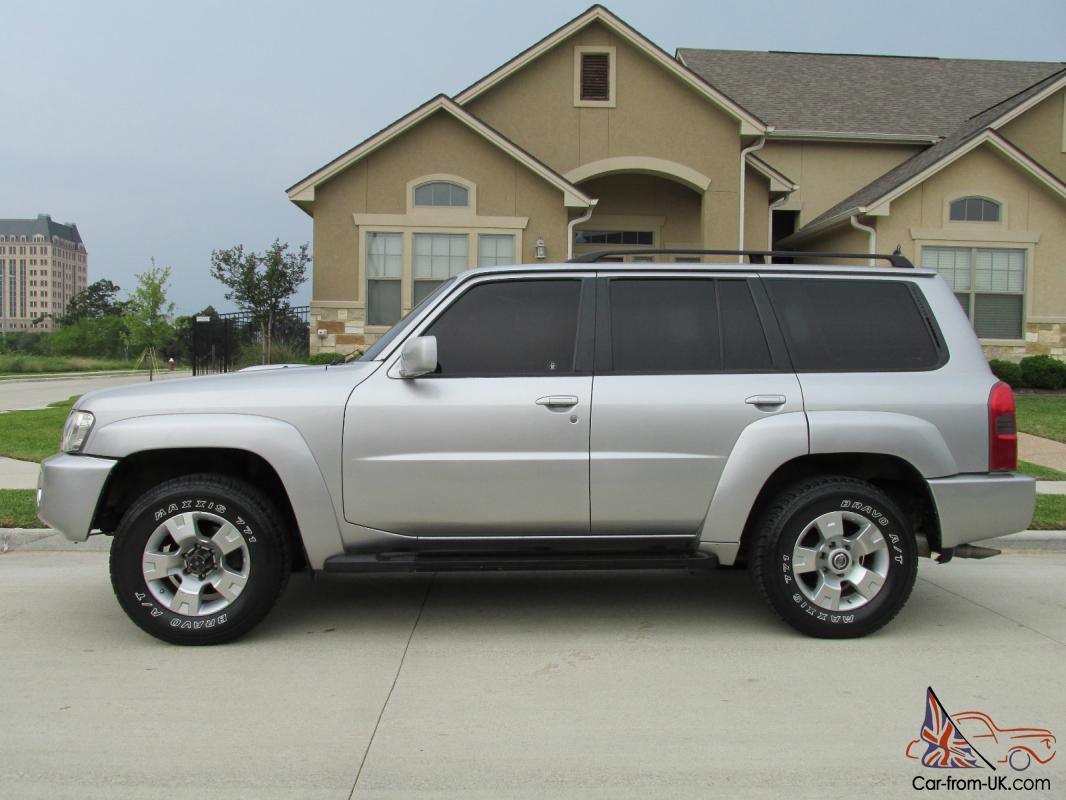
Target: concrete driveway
[631, 685]
[19, 393]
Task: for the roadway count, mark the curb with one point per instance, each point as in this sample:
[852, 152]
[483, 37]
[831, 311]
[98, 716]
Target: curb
[45, 539]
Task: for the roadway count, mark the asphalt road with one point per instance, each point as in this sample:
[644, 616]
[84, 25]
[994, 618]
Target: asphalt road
[609, 685]
[16, 394]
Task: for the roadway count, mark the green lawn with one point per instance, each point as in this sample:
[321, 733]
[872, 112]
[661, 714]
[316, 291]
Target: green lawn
[1050, 514]
[1042, 415]
[17, 509]
[12, 364]
[1039, 472]
[33, 435]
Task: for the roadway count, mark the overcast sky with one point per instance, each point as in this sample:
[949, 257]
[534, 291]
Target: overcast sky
[172, 131]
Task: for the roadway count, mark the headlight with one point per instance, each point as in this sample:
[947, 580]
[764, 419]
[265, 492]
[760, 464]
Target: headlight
[78, 425]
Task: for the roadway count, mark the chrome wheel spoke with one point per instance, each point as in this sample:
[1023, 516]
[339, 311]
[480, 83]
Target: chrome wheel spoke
[182, 529]
[804, 559]
[869, 540]
[227, 539]
[866, 582]
[186, 599]
[830, 526]
[157, 566]
[228, 583]
[827, 595]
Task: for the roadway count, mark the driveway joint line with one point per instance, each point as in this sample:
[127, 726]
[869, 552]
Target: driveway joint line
[395, 678]
[993, 611]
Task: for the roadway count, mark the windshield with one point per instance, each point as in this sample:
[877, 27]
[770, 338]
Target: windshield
[397, 329]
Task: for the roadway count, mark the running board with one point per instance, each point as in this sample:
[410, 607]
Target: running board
[467, 562]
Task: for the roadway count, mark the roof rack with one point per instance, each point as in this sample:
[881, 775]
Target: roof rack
[754, 256]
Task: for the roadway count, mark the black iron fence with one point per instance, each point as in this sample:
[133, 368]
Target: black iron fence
[227, 342]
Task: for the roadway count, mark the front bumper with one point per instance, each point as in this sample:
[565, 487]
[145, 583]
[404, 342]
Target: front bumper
[68, 489]
[975, 507]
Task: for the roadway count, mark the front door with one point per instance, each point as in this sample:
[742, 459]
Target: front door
[495, 443]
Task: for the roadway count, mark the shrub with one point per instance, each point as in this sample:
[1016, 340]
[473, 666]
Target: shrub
[1008, 372]
[322, 358]
[1043, 372]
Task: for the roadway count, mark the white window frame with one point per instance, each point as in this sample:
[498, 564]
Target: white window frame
[1002, 221]
[612, 78]
[497, 237]
[441, 177]
[366, 269]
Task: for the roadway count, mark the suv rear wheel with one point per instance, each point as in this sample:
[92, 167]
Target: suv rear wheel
[834, 557]
[199, 560]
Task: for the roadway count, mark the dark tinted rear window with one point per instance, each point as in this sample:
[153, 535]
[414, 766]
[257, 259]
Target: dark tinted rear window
[663, 325]
[509, 328]
[853, 325]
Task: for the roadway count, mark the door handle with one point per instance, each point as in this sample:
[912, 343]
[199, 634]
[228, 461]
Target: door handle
[766, 400]
[558, 401]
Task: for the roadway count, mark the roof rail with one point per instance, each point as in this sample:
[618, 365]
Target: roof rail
[754, 256]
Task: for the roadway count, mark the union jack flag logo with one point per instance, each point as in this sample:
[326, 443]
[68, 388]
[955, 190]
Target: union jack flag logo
[946, 747]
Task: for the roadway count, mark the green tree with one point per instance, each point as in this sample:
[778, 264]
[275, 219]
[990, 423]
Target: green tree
[95, 300]
[148, 313]
[262, 283]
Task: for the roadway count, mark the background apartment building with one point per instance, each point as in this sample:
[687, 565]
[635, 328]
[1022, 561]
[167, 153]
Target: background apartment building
[42, 265]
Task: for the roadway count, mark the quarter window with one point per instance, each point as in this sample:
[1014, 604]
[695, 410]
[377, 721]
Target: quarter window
[438, 256]
[384, 269]
[442, 193]
[853, 325]
[666, 325]
[510, 328]
[989, 284]
[974, 209]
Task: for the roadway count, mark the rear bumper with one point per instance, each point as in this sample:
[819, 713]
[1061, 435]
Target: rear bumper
[975, 507]
[68, 489]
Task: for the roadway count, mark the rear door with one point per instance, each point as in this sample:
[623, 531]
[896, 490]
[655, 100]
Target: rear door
[684, 362]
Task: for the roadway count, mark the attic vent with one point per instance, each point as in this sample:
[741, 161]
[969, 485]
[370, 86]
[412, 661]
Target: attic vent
[595, 76]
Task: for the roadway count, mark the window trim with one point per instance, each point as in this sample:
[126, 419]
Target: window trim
[996, 244]
[584, 338]
[612, 80]
[442, 177]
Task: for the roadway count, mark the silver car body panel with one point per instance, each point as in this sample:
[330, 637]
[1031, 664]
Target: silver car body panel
[661, 442]
[68, 489]
[972, 508]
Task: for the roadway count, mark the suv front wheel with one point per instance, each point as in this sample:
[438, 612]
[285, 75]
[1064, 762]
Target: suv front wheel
[199, 559]
[834, 557]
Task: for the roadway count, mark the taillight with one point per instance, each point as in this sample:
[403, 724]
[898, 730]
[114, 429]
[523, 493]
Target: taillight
[1002, 430]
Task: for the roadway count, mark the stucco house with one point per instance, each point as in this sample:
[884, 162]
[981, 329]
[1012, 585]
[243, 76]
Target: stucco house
[595, 138]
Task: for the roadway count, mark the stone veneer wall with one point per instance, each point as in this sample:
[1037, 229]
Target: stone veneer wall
[344, 330]
[1041, 338]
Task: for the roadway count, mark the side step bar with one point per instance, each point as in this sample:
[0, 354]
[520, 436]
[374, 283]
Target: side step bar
[473, 562]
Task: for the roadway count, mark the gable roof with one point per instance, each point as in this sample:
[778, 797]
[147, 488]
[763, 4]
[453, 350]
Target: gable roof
[890, 96]
[304, 190]
[779, 181]
[978, 130]
[750, 122]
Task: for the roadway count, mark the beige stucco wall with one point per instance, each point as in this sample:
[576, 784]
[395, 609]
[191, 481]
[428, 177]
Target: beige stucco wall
[655, 115]
[1039, 132]
[378, 185]
[827, 172]
[1035, 220]
[756, 210]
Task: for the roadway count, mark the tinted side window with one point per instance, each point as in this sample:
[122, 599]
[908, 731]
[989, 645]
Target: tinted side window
[661, 325]
[510, 328]
[852, 325]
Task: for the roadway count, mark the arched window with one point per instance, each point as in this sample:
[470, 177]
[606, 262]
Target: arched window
[974, 209]
[442, 193]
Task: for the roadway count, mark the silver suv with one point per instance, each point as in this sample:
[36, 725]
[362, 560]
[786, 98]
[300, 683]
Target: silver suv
[825, 426]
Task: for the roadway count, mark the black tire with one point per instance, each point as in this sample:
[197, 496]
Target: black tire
[262, 541]
[790, 516]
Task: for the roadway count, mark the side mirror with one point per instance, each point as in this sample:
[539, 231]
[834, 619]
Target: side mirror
[418, 356]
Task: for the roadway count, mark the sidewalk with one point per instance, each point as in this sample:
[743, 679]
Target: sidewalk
[1045, 452]
[18, 474]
